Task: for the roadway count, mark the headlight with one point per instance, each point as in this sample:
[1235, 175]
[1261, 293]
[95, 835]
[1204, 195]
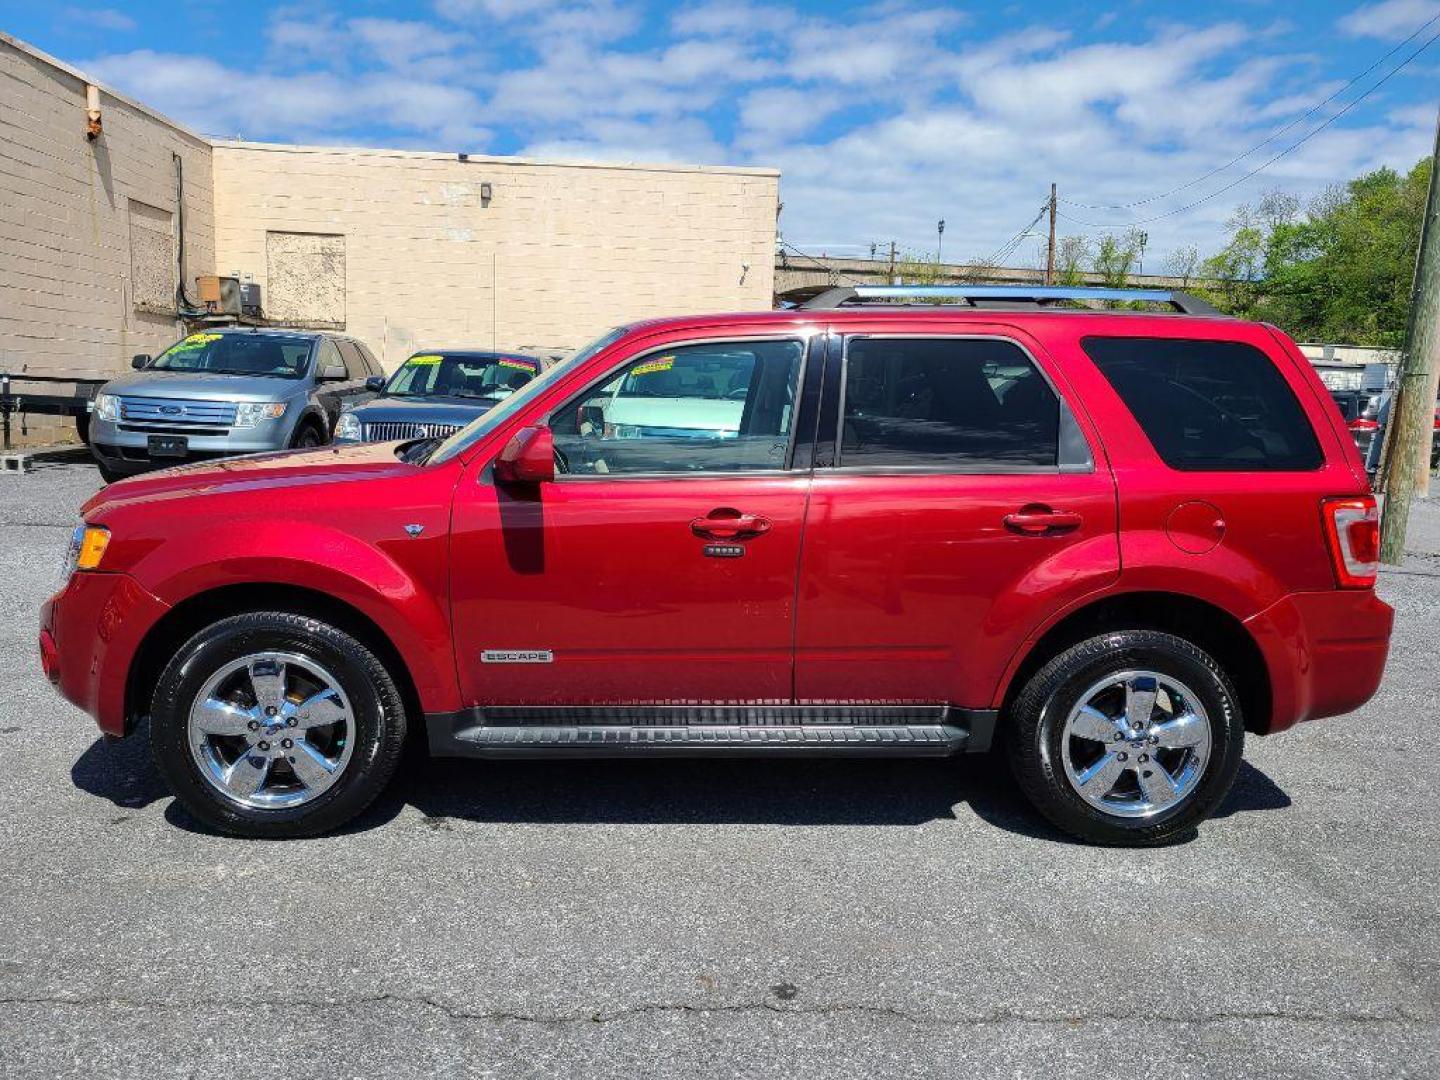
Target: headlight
[107, 406]
[87, 548]
[348, 426]
[250, 413]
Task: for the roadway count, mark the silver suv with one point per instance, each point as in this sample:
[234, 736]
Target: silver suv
[228, 391]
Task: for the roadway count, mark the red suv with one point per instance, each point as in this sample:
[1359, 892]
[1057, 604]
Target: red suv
[1114, 541]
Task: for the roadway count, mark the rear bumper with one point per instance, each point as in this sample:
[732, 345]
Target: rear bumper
[89, 633]
[1325, 652]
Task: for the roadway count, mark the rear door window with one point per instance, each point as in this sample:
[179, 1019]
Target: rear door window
[968, 404]
[1218, 406]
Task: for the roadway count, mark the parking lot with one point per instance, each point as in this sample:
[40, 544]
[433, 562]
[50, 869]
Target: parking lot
[826, 918]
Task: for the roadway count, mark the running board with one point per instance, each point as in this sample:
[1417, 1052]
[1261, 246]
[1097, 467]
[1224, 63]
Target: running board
[906, 731]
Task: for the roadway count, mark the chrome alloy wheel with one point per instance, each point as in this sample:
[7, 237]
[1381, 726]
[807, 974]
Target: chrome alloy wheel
[271, 730]
[1136, 744]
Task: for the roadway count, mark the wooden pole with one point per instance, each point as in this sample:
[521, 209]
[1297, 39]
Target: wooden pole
[1050, 252]
[1412, 413]
[892, 263]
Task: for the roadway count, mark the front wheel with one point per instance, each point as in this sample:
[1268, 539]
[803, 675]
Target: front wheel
[274, 725]
[308, 437]
[1130, 738]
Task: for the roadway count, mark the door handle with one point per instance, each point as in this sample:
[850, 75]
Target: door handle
[723, 523]
[1038, 520]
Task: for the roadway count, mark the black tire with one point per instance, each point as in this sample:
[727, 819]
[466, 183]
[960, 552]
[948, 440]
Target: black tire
[1035, 724]
[377, 705]
[307, 436]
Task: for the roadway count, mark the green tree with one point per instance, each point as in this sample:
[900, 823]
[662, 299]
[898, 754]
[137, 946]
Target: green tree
[1341, 271]
[1117, 256]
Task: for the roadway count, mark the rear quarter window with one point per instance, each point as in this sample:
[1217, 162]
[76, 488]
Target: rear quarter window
[1217, 406]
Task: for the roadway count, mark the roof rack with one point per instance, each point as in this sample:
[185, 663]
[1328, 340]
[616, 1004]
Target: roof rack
[813, 298]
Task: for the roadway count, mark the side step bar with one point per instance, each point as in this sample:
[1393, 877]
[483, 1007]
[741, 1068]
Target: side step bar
[944, 732]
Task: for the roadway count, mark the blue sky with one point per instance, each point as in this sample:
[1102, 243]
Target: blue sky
[883, 117]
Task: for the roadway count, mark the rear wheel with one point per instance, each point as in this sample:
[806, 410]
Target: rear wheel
[1129, 738]
[274, 725]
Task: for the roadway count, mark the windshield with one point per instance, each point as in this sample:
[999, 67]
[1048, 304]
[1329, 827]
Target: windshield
[481, 426]
[461, 375]
[277, 355]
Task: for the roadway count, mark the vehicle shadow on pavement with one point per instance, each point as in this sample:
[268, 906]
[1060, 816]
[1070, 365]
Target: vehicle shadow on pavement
[688, 791]
[685, 791]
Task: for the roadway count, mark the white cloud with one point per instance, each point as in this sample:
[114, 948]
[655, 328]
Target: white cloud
[318, 106]
[1391, 19]
[116, 22]
[881, 122]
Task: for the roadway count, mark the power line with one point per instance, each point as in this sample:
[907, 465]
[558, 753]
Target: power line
[1260, 168]
[823, 266]
[1009, 247]
[1268, 139]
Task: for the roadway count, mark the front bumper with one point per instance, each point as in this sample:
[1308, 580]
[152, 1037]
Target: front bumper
[89, 633]
[125, 447]
[1325, 652]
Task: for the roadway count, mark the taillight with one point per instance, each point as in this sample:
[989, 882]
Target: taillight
[1352, 526]
[1362, 424]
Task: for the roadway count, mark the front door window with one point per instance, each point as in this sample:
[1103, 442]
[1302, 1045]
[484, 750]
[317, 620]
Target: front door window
[716, 407]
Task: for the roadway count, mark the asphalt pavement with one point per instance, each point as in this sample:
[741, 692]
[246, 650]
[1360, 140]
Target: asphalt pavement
[725, 919]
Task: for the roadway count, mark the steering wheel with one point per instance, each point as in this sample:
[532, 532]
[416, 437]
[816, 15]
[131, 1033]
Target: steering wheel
[739, 394]
[562, 463]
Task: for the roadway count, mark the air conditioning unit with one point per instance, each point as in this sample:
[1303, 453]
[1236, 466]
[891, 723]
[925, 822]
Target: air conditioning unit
[250, 299]
[219, 295]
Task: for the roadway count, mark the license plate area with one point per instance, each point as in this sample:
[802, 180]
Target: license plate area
[168, 446]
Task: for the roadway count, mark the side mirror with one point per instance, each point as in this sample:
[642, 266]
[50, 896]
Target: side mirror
[528, 458]
[333, 373]
[375, 383]
[140, 360]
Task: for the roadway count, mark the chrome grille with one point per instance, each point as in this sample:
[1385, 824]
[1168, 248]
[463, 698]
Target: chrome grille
[389, 430]
[176, 411]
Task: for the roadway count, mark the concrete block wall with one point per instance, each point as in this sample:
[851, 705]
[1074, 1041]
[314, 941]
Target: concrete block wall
[403, 249]
[68, 298]
[558, 254]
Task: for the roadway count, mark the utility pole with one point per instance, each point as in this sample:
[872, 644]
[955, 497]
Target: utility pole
[1412, 413]
[939, 240]
[892, 264]
[1050, 252]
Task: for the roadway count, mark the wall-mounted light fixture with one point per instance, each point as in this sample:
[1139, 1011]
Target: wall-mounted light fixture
[93, 128]
[485, 193]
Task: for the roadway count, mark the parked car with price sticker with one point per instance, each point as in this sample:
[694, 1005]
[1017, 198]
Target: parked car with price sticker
[435, 393]
[1118, 543]
[229, 391]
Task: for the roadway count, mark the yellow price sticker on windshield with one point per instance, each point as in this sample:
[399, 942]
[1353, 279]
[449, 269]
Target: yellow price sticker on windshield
[194, 341]
[665, 363]
[520, 365]
[423, 361]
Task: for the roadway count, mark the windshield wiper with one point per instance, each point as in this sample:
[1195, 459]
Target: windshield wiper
[418, 451]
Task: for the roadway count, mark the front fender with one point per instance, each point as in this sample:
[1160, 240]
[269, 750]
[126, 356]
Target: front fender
[399, 585]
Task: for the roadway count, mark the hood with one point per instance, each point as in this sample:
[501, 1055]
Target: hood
[286, 469]
[203, 386]
[427, 410]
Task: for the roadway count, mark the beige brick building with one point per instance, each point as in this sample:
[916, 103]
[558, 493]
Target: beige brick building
[402, 249]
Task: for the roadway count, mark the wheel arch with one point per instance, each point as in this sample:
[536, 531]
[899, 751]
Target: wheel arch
[315, 417]
[1211, 628]
[193, 614]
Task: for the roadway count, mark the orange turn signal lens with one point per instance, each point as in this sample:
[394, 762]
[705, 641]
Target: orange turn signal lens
[92, 547]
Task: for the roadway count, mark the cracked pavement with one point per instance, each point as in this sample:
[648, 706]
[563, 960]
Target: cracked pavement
[724, 918]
